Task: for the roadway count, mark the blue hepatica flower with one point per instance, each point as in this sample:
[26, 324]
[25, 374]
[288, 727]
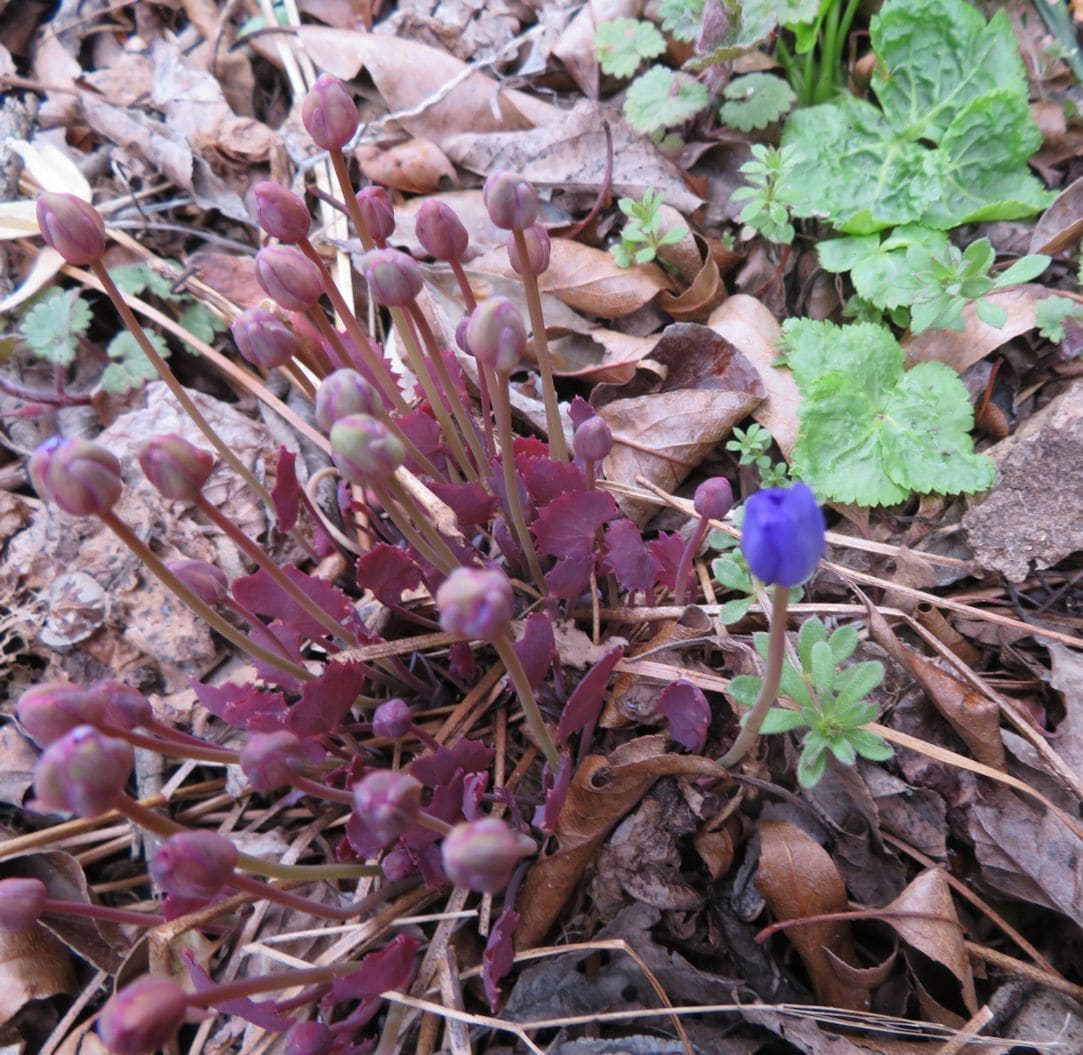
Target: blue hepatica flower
[783, 535]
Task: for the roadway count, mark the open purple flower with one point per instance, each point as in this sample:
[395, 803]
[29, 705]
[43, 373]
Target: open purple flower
[783, 535]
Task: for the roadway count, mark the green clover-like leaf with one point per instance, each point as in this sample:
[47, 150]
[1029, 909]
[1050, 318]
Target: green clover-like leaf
[53, 326]
[755, 101]
[623, 43]
[662, 98]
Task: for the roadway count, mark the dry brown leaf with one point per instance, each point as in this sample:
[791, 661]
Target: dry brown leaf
[417, 166]
[600, 355]
[797, 878]
[475, 104]
[33, 966]
[17, 758]
[576, 49]
[697, 302]
[1061, 224]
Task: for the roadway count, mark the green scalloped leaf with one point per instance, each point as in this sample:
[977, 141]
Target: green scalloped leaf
[755, 101]
[662, 98]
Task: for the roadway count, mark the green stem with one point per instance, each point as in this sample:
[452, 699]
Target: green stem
[540, 731]
[772, 676]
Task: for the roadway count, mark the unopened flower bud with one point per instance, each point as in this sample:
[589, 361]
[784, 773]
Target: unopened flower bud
[342, 393]
[782, 536]
[593, 440]
[482, 855]
[81, 477]
[264, 339]
[394, 278]
[460, 334]
[22, 901]
[124, 706]
[329, 114]
[282, 214]
[194, 865]
[476, 602]
[538, 247]
[142, 1017]
[205, 580]
[388, 802]
[392, 719]
[713, 498]
[440, 231]
[84, 772]
[309, 1038]
[496, 334]
[270, 760]
[377, 212]
[364, 450]
[176, 467]
[512, 202]
[72, 227]
[288, 277]
[52, 709]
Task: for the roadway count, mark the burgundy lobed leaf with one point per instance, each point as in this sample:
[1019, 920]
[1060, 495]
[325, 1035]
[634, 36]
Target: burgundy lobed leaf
[567, 526]
[471, 503]
[264, 596]
[392, 967]
[461, 662]
[439, 767]
[529, 447]
[628, 558]
[506, 540]
[358, 364]
[569, 579]
[667, 550]
[388, 572]
[423, 431]
[555, 786]
[326, 700]
[537, 648]
[277, 637]
[688, 713]
[579, 410]
[546, 480]
[286, 494]
[474, 787]
[243, 706]
[259, 1013]
[585, 703]
[499, 956]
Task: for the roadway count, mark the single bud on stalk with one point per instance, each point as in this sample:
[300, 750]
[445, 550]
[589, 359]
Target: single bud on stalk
[309, 1038]
[194, 865]
[84, 772]
[782, 536]
[394, 279]
[388, 802]
[538, 248]
[377, 211]
[270, 760]
[392, 719]
[476, 602]
[264, 339]
[460, 334]
[440, 231]
[282, 214]
[52, 709]
[713, 498]
[593, 440]
[343, 393]
[329, 114]
[364, 450]
[206, 581]
[482, 855]
[80, 477]
[512, 202]
[143, 1017]
[496, 334]
[22, 901]
[124, 706]
[288, 277]
[72, 227]
[176, 467]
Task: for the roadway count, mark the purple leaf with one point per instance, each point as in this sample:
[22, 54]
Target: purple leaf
[243, 706]
[537, 648]
[567, 526]
[474, 787]
[387, 571]
[499, 956]
[281, 640]
[585, 703]
[264, 596]
[461, 662]
[327, 700]
[556, 791]
[569, 578]
[579, 411]
[390, 968]
[529, 447]
[423, 432]
[358, 364]
[628, 558]
[471, 502]
[439, 767]
[262, 1014]
[667, 550]
[287, 490]
[507, 541]
[688, 713]
[547, 480]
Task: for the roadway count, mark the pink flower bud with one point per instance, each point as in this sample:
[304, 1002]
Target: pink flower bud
[377, 212]
[482, 855]
[342, 393]
[81, 477]
[364, 450]
[72, 227]
[476, 602]
[282, 214]
[329, 114]
[460, 334]
[52, 709]
[309, 1038]
[394, 278]
[538, 247]
[143, 1017]
[84, 772]
[593, 440]
[206, 581]
[176, 467]
[512, 202]
[194, 865]
[22, 901]
[713, 498]
[388, 802]
[496, 334]
[124, 706]
[264, 339]
[440, 231]
[288, 277]
[270, 760]
[392, 719]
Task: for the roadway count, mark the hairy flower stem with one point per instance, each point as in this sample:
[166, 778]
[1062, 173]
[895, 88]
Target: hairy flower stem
[204, 611]
[101, 912]
[199, 752]
[470, 302]
[558, 447]
[772, 676]
[178, 390]
[684, 565]
[498, 386]
[534, 720]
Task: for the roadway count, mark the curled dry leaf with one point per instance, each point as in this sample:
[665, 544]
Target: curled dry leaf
[416, 166]
[1061, 224]
[697, 302]
[600, 355]
[34, 965]
[797, 878]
